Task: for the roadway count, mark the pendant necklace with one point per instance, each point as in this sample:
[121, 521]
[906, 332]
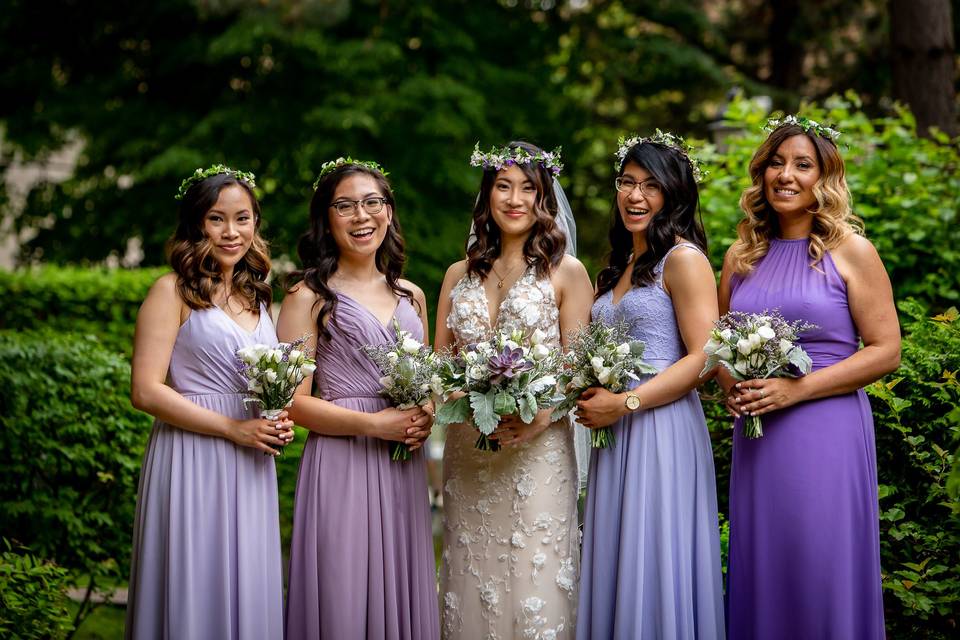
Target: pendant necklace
[500, 278]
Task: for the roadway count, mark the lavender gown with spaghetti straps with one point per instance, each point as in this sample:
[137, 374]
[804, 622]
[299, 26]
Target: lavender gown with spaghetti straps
[804, 532]
[206, 540]
[361, 559]
[651, 547]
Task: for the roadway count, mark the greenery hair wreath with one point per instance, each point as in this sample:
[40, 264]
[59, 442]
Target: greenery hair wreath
[328, 167]
[667, 139]
[500, 157]
[804, 123]
[202, 174]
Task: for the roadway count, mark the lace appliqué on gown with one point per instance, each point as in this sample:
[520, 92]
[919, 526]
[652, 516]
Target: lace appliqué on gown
[511, 543]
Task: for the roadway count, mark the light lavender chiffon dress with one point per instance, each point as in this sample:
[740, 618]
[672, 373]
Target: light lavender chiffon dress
[206, 540]
[650, 568]
[361, 559]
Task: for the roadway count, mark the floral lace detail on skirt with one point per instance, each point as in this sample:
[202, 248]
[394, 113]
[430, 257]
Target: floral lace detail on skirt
[511, 544]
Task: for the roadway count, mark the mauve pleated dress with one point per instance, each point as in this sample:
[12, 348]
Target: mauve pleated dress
[361, 559]
[804, 532]
[206, 540]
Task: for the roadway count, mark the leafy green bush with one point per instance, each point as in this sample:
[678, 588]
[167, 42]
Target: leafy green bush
[100, 302]
[917, 414]
[906, 189]
[33, 598]
[70, 453]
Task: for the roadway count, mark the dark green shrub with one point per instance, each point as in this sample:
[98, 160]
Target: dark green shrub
[70, 453]
[33, 598]
[917, 415]
[100, 302]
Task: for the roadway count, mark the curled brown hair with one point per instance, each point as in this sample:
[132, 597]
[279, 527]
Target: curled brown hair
[833, 217]
[320, 255]
[190, 251]
[546, 243]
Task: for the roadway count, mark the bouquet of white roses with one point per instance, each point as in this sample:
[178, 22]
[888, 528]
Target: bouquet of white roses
[407, 367]
[755, 346]
[273, 374]
[506, 375]
[600, 355]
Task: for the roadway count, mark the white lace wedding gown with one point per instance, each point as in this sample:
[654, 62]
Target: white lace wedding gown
[510, 563]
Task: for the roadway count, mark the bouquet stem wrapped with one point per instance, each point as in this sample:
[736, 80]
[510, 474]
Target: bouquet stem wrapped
[600, 355]
[757, 346]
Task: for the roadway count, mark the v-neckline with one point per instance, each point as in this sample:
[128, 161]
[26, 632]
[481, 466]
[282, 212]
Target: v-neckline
[486, 300]
[249, 332]
[383, 324]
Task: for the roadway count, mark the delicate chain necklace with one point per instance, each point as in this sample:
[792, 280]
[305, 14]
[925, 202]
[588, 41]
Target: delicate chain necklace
[500, 278]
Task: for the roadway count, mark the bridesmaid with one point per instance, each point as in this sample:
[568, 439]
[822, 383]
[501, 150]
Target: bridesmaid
[510, 539]
[361, 559]
[206, 540]
[651, 550]
[804, 536]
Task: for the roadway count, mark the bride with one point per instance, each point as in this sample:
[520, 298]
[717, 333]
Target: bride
[511, 543]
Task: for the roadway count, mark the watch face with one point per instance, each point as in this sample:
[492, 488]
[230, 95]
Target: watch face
[633, 403]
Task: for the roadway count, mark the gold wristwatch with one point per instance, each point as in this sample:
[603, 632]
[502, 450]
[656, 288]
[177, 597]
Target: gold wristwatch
[632, 402]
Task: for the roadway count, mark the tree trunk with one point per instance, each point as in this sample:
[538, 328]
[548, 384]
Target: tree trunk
[921, 37]
[787, 51]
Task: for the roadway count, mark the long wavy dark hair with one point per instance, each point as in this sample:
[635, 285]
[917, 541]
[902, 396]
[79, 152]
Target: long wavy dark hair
[190, 251]
[680, 216]
[320, 255]
[546, 243]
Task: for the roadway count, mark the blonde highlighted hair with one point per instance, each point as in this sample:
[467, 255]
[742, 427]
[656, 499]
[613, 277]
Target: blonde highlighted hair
[833, 217]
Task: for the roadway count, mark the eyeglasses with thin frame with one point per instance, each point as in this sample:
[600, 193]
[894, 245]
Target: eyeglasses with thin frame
[347, 208]
[649, 187]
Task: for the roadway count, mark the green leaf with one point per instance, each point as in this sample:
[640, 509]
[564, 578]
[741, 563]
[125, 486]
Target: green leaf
[485, 418]
[453, 412]
[528, 407]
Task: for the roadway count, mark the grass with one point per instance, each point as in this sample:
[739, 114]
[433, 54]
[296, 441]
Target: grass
[104, 623]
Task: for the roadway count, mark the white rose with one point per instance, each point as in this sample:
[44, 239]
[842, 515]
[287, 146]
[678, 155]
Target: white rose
[275, 355]
[725, 353]
[540, 352]
[741, 366]
[295, 356]
[726, 333]
[307, 369]
[270, 375]
[766, 332]
[470, 357]
[624, 349]
[604, 375]
[386, 382]
[744, 346]
[410, 346]
[436, 384]
[254, 386]
[785, 346]
[476, 372]
[538, 337]
[755, 340]
[596, 362]
[392, 356]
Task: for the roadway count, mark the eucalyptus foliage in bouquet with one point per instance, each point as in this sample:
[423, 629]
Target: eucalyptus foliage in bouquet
[506, 375]
[408, 368]
[273, 374]
[757, 346]
[600, 355]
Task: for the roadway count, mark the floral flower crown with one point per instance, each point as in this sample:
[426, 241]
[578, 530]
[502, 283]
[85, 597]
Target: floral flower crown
[328, 167]
[666, 139]
[202, 174]
[498, 158]
[804, 123]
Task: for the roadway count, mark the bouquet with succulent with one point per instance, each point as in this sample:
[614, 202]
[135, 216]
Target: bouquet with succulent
[600, 355]
[408, 367]
[273, 374]
[755, 346]
[506, 375]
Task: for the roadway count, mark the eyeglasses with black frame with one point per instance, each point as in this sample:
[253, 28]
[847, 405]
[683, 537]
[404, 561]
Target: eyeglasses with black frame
[347, 208]
[650, 187]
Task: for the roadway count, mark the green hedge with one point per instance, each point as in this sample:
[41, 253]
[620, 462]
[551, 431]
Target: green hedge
[100, 302]
[33, 596]
[70, 452]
